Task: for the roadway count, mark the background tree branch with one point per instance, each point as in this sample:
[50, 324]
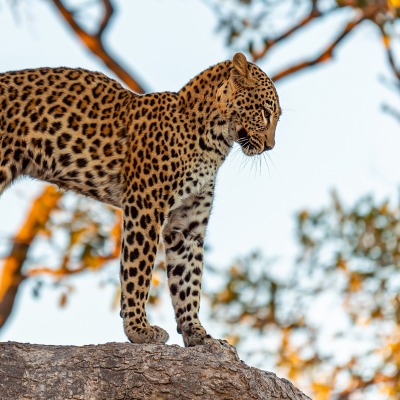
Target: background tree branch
[95, 44]
[11, 275]
[325, 54]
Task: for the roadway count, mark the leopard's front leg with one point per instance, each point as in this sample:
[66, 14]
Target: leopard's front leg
[140, 239]
[183, 237]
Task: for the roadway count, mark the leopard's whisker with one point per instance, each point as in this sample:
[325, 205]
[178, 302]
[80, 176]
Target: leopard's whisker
[266, 163]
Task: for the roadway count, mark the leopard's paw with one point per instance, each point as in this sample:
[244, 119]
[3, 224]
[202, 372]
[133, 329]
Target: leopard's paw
[150, 334]
[195, 335]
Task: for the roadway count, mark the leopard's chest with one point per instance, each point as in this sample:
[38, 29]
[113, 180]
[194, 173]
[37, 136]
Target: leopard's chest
[195, 182]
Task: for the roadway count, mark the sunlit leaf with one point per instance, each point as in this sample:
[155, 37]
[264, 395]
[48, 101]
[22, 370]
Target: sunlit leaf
[322, 391]
[63, 300]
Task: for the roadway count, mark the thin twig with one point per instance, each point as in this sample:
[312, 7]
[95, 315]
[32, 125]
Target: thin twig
[95, 45]
[11, 274]
[389, 53]
[314, 14]
[325, 55]
[105, 22]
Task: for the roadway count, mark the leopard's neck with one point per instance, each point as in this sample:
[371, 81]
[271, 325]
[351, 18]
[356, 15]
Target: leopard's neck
[197, 100]
[203, 87]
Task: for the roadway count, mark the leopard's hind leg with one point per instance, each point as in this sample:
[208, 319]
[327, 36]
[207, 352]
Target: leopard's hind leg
[138, 252]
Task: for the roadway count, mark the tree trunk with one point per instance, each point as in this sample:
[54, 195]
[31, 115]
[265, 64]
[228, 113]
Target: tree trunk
[128, 371]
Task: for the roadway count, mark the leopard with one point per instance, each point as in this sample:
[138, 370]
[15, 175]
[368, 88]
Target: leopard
[155, 156]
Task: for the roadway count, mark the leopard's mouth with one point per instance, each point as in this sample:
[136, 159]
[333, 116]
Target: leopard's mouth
[244, 140]
[242, 134]
[251, 144]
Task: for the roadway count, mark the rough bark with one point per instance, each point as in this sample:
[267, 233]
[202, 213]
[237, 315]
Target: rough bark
[127, 371]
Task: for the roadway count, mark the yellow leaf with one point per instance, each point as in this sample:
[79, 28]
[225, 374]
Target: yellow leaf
[355, 283]
[341, 264]
[76, 236]
[234, 270]
[46, 232]
[90, 261]
[226, 296]
[303, 215]
[232, 339]
[386, 41]
[156, 279]
[384, 209]
[63, 300]
[322, 391]
[394, 3]
[388, 390]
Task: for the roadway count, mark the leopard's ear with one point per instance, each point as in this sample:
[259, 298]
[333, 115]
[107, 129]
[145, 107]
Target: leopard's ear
[240, 73]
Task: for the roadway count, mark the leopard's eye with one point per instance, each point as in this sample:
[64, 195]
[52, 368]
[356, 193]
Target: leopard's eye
[266, 115]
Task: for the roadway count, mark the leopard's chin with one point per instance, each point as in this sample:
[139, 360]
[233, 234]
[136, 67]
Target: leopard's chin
[245, 142]
[252, 151]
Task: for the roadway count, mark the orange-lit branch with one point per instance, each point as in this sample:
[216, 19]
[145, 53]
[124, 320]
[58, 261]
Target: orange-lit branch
[314, 14]
[389, 53]
[94, 42]
[11, 274]
[86, 262]
[325, 55]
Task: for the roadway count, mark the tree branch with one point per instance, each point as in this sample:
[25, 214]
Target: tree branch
[127, 371]
[11, 274]
[314, 14]
[108, 13]
[325, 55]
[87, 261]
[389, 53]
[95, 45]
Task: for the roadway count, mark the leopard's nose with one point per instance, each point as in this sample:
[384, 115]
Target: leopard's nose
[269, 141]
[267, 147]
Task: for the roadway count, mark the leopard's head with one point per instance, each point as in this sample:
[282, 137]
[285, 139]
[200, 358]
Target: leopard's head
[250, 103]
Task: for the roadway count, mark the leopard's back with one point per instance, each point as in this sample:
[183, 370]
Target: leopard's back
[66, 126]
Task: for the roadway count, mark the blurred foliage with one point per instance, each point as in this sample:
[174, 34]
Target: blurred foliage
[336, 311]
[257, 25]
[330, 322]
[81, 236]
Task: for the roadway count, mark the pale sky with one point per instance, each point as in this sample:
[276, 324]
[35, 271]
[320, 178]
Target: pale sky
[332, 135]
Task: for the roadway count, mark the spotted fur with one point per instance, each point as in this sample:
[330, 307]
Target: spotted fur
[155, 156]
